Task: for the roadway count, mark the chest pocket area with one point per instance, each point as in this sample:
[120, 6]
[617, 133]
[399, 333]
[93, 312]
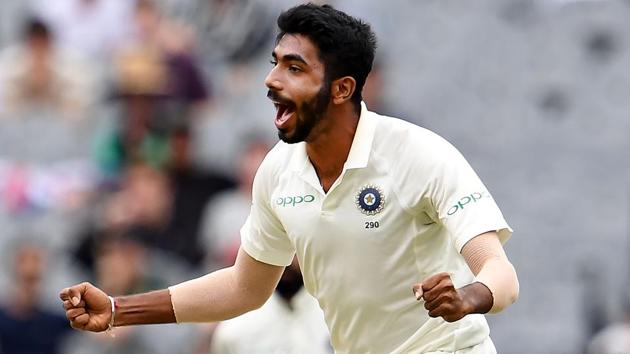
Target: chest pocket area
[295, 210]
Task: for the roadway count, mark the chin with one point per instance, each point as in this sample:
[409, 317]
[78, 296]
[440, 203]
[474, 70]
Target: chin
[288, 138]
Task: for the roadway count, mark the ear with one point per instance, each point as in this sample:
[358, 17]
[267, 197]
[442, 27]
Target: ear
[342, 89]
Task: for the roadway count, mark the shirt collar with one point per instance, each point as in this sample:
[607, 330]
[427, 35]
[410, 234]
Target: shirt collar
[299, 159]
[359, 151]
[362, 143]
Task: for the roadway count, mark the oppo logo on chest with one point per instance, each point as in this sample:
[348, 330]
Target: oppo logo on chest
[295, 200]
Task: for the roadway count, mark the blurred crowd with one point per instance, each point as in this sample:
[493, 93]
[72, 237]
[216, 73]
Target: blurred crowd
[130, 132]
[129, 139]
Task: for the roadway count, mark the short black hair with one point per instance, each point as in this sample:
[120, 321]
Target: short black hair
[346, 44]
[36, 28]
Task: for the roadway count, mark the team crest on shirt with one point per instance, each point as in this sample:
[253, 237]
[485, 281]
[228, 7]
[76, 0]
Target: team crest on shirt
[370, 200]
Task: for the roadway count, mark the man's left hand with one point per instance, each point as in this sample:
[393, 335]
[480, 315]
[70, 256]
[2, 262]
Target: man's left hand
[441, 298]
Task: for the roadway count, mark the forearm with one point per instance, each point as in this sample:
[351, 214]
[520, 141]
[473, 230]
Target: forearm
[148, 308]
[477, 297]
[499, 276]
[213, 297]
[492, 269]
[225, 293]
[217, 296]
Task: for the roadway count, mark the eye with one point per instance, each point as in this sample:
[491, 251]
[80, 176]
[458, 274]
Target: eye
[294, 68]
[273, 62]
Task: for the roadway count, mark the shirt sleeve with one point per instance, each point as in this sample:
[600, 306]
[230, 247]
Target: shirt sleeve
[263, 236]
[462, 202]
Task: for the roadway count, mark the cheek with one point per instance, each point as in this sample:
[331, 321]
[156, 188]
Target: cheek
[308, 96]
[307, 86]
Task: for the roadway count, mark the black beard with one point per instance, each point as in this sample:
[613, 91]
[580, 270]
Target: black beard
[311, 113]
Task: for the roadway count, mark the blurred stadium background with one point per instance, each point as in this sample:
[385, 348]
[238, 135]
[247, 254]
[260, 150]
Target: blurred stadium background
[129, 134]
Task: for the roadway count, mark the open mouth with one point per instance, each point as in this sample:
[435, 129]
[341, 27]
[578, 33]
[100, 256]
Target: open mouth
[284, 112]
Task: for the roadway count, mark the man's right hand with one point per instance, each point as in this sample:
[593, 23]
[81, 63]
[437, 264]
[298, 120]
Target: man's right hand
[87, 307]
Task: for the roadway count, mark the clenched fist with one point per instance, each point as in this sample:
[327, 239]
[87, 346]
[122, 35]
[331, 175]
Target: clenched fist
[441, 298]
[87, 307]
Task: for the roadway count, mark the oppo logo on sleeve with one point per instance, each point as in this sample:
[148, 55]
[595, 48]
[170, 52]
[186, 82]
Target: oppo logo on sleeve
[467, 201]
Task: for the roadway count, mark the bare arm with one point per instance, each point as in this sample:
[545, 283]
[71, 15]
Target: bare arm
[495, 288]
[226, 293]
[220, 295]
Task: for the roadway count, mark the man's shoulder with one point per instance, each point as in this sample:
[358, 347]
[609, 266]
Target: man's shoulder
[281, 154]
[282, 149]
[280, 158]
[402, 137]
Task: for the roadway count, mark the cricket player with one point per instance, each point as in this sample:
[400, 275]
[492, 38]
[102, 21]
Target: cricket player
[398, 239]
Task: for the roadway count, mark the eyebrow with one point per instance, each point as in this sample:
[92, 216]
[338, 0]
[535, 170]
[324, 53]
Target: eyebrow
[291, 57]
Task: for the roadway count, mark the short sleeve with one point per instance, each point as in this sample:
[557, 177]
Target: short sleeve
[263, 237]
[462, 202]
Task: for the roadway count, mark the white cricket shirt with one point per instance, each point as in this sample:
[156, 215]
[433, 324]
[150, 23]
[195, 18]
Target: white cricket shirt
[402, 209]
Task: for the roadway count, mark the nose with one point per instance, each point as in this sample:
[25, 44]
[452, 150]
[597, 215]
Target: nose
[272, 82]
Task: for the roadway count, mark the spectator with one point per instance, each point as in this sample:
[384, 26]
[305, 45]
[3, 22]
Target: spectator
[122, 266]
[163, 207]
[121, 260]
[160, 88]
[25, 326]
[143, 202]
[93, 28]
[291, 322]
[615, 338]
[193, 188]
[224, 215]
[236, 31]
[175, 44]
[36, 74]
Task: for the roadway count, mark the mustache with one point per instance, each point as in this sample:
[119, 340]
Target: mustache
[275, 96]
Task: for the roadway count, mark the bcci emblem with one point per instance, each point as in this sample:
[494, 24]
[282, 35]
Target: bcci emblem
[370, 200]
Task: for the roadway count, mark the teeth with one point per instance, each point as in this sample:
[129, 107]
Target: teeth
[278, 105]
[281, 106]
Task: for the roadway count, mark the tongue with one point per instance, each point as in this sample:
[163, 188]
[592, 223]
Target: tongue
[284, 113]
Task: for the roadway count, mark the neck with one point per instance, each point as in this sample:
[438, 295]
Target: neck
[330, 148]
